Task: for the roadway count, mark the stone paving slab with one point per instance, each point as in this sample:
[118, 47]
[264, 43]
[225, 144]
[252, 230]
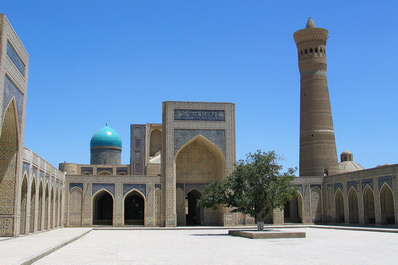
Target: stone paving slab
[28, 249]
[215, 246]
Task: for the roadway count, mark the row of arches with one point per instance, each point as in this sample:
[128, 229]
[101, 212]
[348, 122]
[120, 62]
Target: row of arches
[40, 206]
[103, 206]
[386, 204]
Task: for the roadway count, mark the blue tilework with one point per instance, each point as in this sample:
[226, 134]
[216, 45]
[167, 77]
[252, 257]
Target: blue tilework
[41, 174]
[129, 187]
[367, 182]
[110, 170]
[158, 186]
[385, 179]
[182, 136]
[199, 115]
[11, 91]
[352, 183]
[72, 185]
[180, 185]
[17, 61]
[26, 167]
[338, 185]
[316, 185]
[107, 186]
[300, 189]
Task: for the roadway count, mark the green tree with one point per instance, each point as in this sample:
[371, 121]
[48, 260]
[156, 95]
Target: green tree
[255, 187]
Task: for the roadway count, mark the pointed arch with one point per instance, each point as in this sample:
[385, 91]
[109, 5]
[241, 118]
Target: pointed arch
[198, 161]
[387, 205]
[56, 206]
[75, 206]
[293, 209]
[40, 208]
[23, 204]
[104, 172]
[46, 207]
[369, 205]
[155, 142]
[52, 208]
[316, 204]
[9, 144]
[134, 208]
[103, 205]
[195, 214]
[339, 206]
[32, 206]
[353, 210]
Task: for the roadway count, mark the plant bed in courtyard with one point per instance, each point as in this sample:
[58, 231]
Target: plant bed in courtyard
[266, 234]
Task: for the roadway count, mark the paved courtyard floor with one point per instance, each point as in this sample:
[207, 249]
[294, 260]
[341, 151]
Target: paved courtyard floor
[321, 246]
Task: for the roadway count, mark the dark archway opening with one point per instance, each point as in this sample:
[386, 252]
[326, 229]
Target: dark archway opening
[194, 214]
[292, 212]
[369, 206]
[103, 209]
[339, 202]
[134, 209]
[387, 206]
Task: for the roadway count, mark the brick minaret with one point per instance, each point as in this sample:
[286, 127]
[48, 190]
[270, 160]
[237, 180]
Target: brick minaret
[318, 156]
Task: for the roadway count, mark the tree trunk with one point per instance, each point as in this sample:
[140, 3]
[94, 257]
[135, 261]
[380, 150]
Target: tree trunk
[260, 226]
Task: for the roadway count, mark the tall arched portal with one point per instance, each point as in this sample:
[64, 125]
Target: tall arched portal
[387, 205]
[103, 208]
[369, 206]
[197, 163]
[353, 206]
[293, 210]
[339, 203]
[134, 209]
[8, 166]
[194, 214]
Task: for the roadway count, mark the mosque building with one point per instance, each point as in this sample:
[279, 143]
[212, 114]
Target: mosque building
[171, 162]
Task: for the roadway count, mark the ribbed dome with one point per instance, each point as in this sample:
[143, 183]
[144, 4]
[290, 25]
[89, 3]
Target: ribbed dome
[106, 136]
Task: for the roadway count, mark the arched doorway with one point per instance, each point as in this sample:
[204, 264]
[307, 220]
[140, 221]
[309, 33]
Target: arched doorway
[339, 203]
[194, 214]
[40, 208]
[24, 191]
[134, 209]
[353, 206]
[387, 205]
[293, 210]
[103, 208]
[8, 165]
[369, 206]
[46, 206]
[32, 207]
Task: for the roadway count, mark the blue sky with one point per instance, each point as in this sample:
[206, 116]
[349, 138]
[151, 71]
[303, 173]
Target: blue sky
[93, 62]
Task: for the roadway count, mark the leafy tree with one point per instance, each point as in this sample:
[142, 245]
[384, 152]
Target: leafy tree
[255, 187]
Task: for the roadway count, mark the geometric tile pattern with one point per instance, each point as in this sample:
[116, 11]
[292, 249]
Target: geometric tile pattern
[11, 91]
[107, 186]
[182, 136]
[385, 179]
[367, 182]
[352, 183]
[199, 115]
[338, 185]
[139, 187]
[12, 54]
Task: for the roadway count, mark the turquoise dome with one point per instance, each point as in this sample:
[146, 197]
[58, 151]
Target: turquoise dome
[106, 136]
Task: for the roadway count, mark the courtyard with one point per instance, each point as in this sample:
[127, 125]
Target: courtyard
[322, 245]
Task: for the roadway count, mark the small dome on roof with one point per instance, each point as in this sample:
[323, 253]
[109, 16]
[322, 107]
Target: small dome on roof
[347, 163]
[106, 136]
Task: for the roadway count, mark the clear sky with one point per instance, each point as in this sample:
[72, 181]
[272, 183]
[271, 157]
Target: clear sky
[97, 62]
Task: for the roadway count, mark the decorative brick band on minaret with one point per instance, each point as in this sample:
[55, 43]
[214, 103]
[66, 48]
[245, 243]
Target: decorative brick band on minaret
[318, 156]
